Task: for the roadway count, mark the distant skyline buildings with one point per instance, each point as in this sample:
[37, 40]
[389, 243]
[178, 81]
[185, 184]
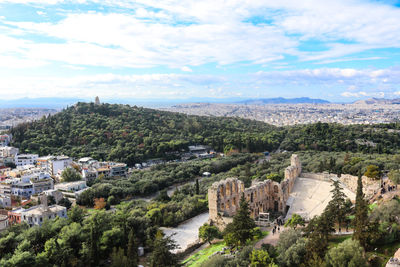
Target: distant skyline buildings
[147, 50]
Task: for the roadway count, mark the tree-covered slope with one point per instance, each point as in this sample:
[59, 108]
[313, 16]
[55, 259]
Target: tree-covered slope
[131, 134]
[380, 138]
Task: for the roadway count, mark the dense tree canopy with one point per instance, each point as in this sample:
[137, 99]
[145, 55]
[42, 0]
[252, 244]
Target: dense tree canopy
[208, 232]
[133, 134]
[349, 253]
[291, 248]
[146, 182]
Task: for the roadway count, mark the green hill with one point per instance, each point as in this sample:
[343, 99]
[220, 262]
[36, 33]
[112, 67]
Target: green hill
[132, 134]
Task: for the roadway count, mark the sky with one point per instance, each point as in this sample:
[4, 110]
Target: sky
[339, 50]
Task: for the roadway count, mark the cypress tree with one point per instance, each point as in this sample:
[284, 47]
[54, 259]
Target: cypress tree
[361, 216]
[132, 250]
[318, 231]
[197, 187]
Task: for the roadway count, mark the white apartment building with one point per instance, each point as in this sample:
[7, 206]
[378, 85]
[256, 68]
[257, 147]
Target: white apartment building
[34, 174]
[59, 163]
[5, 188]
[71, 186]
[36, 215]
[87, 162]
[54, 164]
[26, 159]
[8, 151]
[5, 201]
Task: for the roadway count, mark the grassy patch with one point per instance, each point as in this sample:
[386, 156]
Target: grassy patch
[372, 206]
[336, 240]
[198, 258]
[90, 211]
[384, 253]
[201, 256]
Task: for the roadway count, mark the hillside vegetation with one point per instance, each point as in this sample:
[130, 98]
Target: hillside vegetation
[133, 134]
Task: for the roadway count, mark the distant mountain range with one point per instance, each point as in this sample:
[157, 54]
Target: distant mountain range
[281, 100]
[45, 102]
[381, 101]
[58, 103]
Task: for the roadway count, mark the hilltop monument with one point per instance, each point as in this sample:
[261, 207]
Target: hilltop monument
[97, 101]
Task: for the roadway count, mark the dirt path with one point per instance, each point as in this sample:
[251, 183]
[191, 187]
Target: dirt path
[270, 238]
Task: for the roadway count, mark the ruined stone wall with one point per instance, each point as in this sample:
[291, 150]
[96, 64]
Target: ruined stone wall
[224, 196]
[370, 186]
[291, 174]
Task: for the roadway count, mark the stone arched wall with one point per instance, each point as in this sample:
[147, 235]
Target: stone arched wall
[224, 196]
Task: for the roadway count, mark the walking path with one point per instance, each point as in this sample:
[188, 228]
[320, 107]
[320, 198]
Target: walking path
[273, 239]
[270, 238]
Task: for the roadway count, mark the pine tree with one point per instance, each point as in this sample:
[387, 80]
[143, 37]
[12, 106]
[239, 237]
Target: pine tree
[162, 255]
[361, 216]
[336, 207]
[132, 250]
[243, 224]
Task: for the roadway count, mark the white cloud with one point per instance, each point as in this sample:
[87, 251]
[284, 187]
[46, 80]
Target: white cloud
[363, 94]
[171, 85]
[348, 60]
[127, 41]
[186, 69]
[353, 94]
[181, 34]
[188, 33]
[110, 86]
[351, 77]
[46, 2]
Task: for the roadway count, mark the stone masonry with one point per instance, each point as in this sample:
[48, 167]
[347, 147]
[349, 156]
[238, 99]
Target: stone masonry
[224, 196]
